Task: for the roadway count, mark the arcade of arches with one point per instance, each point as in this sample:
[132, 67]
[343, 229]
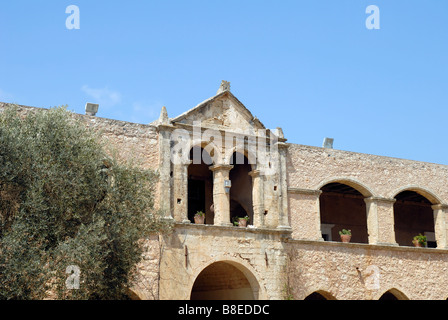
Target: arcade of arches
[392, 294]
[344, 207]
[200, 186]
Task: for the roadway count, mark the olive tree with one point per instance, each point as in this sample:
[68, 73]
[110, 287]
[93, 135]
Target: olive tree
[65, 201]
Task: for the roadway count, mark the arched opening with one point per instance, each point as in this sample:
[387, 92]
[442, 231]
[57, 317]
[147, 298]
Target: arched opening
[413, 215]
[222, 281]
[343, 207]
[393, 294]
[320, 295]
[241, 190]
[200, 185]
[131, 295]
[388, 296]
[315, 296]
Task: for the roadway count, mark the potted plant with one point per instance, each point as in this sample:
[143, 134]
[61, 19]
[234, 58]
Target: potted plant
[199, 217]
[419, 241]
[346, 235]
[240, 221]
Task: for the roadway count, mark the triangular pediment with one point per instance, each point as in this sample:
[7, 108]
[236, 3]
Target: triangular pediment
[222, 112]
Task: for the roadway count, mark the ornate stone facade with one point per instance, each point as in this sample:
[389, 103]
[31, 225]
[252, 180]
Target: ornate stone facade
[296, 197]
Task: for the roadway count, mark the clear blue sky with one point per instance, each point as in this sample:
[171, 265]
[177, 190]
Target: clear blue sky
[310, 67]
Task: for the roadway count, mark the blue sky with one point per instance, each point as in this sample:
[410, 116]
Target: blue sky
[310, 67]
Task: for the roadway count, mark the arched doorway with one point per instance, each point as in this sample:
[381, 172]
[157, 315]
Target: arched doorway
[241, 190]
[319, 295]
[413, 215]
[200, 185]
[343, 207]
[224, 280]
[393, 294]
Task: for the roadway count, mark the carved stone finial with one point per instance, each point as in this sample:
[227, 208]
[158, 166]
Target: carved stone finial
[163, 119]
[225, 86]
[280, 133]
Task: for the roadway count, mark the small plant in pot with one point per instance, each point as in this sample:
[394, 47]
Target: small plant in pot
[419, 241]
[346, 235]
[241, 221]
[199, 217]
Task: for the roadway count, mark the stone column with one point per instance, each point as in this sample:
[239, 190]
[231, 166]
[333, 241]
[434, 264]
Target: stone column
[283, 221]
[221, 199]
[257, 198]
[164, 185]
[380, 220]
[440, 225]
[180, 192]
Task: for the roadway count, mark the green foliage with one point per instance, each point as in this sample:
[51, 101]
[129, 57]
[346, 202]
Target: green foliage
[236, 220]
[421, 239]
[345, 232]
[64, 201]
[200, 214]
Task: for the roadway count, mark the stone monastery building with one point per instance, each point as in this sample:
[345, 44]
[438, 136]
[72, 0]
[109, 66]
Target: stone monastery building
[219, 159]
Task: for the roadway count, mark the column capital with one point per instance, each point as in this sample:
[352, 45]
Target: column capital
[221, 167]
[379, 199]
[185, 163]
[255, 173]
[282, 145]
[439, 206]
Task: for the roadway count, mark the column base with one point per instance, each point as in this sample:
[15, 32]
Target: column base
[226, 224]
[286, 228]
[390, 244]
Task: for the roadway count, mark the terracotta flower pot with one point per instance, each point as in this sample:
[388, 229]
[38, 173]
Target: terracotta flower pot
[242, 223]
[199, 219]
[345, 237]
[417, 243]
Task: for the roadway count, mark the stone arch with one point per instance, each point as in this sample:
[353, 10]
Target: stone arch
[241, 192]
[355, 184]
[342, 206]
[210, 147]
[393, 294]
[414, 214]
[425, 192]
[320, 295]
[133, 294]
[200, 184]
[250, 156]
[240, 281]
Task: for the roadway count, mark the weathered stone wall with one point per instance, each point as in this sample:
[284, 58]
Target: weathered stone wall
[147, 283]
[378, 178]
[312, 167]
[331, 269]
[260, 255]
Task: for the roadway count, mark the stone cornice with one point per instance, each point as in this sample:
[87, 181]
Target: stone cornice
[304, 191]
[218, 167]
[379, 199]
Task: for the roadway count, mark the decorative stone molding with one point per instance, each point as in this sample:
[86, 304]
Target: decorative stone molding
[304, 191]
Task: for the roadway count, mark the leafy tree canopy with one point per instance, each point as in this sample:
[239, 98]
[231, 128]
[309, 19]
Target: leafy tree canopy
[65, 201]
